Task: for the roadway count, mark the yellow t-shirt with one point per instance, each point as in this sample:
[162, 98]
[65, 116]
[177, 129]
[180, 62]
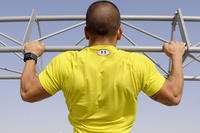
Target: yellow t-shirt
[101, 85]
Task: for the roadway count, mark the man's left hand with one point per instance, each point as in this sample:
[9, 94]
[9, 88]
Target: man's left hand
[35, 47]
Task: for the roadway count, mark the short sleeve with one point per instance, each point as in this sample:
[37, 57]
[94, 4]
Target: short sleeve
[50, 77]
[152, 78]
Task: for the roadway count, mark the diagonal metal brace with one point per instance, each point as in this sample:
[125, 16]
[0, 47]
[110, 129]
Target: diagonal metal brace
[28, 32]
[173, 29]
[183, 31]
[29, 28]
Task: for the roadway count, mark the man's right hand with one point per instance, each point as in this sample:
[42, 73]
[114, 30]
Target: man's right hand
[174, 49]
[171, 91]
[35, 47]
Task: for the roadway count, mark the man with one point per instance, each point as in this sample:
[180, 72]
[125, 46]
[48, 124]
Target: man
[101, 83]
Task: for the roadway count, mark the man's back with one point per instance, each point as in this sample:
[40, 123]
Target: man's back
[101, 85]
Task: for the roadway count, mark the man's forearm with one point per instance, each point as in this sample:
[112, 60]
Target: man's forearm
[31, 88]
[28, 76]
[176, 77]
[171, 91]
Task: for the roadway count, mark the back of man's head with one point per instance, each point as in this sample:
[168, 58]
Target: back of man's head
[102, 19]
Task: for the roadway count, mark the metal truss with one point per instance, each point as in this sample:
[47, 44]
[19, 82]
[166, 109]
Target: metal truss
[177, 19]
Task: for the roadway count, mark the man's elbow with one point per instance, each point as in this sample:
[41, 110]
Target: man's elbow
[26, 97]
[24, 90]
[29, 91]
[174, 97]
[174, 101]
[26, 94]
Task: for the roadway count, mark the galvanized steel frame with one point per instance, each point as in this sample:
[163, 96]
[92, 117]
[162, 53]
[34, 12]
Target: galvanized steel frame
[178, 18]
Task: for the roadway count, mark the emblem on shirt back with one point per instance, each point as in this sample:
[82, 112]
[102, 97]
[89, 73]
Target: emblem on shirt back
[103, 52]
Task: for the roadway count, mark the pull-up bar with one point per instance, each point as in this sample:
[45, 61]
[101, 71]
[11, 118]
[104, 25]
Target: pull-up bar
[69, 48]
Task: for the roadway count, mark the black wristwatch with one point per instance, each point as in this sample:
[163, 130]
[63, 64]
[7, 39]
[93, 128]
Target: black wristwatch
[30, 56]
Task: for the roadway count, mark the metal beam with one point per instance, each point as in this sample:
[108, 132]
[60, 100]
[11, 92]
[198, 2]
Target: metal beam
[145, 32]
[27, 34]
[17, 54]
[134, 44]
[192, 78]
[61, 31]
[79, 41]
[82, 18]
[183, 31]
[10, 38]
[40, 35]
[11, 77]
[191, 60]
[156, 48]
[67, 47]
[6, 77]
[173, 29]
[10, 70]
[182, 27]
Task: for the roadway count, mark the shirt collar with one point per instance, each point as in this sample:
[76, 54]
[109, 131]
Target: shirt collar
[97, 47]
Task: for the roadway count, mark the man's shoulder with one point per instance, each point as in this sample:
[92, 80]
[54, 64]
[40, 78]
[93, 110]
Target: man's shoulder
[133, 55]
[62, 57]
[139, 56]
[67, 54]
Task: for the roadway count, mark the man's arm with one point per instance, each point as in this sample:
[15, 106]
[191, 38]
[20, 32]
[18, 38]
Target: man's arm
[171, 92]
[31, 90]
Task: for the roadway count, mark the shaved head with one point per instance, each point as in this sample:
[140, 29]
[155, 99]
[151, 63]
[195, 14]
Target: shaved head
[103, 19]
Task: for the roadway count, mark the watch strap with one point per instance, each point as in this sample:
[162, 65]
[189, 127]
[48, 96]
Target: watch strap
[30, 56]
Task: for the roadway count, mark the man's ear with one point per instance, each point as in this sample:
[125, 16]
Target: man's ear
[86, 33]
[119, 33]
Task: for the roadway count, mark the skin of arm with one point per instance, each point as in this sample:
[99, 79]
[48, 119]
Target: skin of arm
[171, 92]
[31, 89]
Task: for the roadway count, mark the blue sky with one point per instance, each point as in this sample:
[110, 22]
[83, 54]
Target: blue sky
[50, 115]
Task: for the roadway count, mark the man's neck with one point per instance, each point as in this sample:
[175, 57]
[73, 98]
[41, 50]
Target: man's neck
[102, 42]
